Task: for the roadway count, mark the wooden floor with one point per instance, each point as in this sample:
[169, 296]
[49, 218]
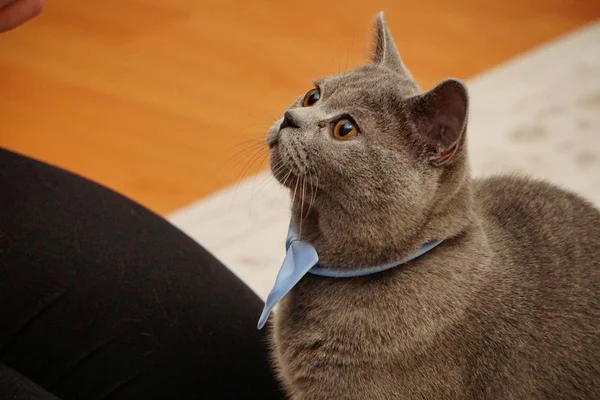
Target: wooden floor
[154, 98]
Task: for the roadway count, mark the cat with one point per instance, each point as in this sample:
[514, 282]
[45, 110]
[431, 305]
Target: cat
[506, 307]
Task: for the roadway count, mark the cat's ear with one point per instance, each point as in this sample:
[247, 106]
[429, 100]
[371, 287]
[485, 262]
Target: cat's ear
[440, 116]
[385, 52]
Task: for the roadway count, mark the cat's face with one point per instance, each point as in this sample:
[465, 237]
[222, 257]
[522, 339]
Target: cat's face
[368, 144]
[348, 138]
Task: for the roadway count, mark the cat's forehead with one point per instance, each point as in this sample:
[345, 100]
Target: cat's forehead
[366, 84]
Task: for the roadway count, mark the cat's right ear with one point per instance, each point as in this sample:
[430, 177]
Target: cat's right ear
[385, 52]
[440, 116]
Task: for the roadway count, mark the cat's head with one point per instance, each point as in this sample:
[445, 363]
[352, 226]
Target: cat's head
[369, 155]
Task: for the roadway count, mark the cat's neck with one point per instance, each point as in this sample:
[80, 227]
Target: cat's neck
[364, 240]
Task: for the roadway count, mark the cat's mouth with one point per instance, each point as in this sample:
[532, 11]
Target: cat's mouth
[291, 166]
[305, 184]
[303, 189]
[292, 179]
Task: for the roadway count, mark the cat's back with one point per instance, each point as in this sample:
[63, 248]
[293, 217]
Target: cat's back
[546, 279]
[536, 210]
[542, 229]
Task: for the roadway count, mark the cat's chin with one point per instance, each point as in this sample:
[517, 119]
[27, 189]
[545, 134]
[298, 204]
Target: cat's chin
[301, 187]
[287, 177]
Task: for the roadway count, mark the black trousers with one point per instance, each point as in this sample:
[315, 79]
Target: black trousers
[102, 299]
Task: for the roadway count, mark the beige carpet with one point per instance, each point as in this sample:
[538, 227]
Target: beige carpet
[538, 115]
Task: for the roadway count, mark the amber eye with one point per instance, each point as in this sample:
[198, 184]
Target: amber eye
[311, 98]
[344, 129]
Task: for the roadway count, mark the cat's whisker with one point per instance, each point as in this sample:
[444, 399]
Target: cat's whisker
[260, 114]
[309, 183]
[241, 164]
[287, 177]
[347, 56]
[313, 192]
[277, 168]
[302, 201]
[270, 179]
[259, 169]
[256, 176]
[295, 189]
[241, 154]
[251, 162]
[248, 165]
[248, 146]
[254, 141]
[316, 188]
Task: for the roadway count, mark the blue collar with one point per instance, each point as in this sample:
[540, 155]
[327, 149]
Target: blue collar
[301, 258]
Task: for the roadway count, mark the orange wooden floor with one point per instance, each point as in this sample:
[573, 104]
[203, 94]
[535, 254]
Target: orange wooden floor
[153, 98]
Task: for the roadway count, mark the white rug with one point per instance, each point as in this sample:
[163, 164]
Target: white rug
[538, 114]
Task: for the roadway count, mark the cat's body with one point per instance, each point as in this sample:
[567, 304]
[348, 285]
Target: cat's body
[507, 307]
[491, 314]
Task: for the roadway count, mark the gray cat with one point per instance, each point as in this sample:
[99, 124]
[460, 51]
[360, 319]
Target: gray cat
[506, 307]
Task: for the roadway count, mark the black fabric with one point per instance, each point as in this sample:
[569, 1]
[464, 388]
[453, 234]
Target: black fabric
[102, 299]
[16, 386]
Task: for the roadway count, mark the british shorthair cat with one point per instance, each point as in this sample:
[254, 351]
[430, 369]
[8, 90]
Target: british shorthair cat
[506, 306]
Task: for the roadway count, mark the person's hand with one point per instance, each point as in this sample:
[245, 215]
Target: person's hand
[16, 12]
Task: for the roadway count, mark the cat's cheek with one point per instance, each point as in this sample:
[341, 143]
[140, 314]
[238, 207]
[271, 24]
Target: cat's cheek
[274, 162]
[273, 134]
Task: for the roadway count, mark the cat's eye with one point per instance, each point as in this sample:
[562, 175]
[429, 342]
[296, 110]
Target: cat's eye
[345, 129]
[311, 98]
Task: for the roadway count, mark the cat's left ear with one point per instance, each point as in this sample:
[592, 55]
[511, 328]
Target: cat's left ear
[386, 54]
[440, 116]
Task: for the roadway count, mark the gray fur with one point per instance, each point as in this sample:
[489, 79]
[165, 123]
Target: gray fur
[506, 308]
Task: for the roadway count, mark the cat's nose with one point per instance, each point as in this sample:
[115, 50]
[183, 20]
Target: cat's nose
[289, 121]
